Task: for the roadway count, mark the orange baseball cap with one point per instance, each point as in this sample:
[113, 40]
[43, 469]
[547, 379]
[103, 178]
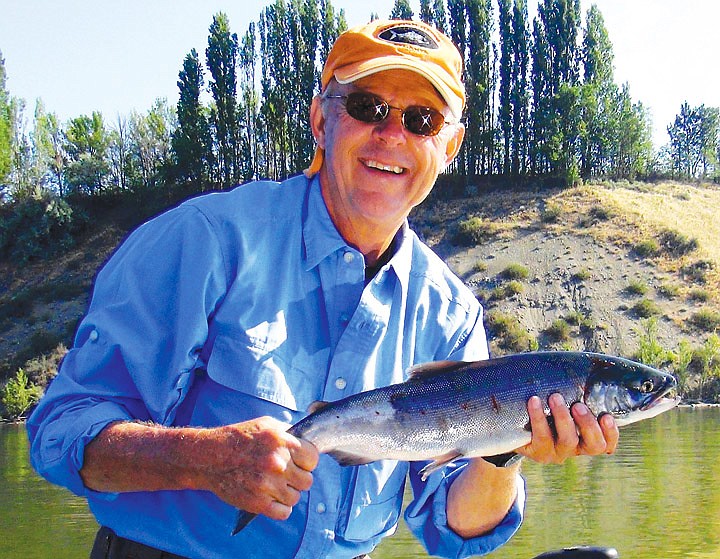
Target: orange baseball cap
[395, 45]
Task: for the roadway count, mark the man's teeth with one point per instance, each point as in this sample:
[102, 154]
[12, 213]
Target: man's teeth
[388, 168]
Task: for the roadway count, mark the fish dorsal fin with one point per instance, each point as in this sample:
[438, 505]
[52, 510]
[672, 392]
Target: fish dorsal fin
[425, 370]
[317, 405]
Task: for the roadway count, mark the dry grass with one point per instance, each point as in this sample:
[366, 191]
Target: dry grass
[640, 211]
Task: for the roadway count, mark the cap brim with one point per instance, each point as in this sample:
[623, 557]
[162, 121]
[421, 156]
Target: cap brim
[353, 72]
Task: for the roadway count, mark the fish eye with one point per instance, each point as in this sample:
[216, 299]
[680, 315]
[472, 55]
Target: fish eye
[647, 386]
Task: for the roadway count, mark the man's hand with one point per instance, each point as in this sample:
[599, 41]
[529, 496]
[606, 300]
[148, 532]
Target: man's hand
[254, 465]
[260, 468]
[576, 431]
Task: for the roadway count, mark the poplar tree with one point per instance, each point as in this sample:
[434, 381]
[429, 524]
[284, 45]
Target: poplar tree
[401, 10]
[426, 12]
[440, 15]
[6, 126]
[457, 23]
[519, 96]
[191, 141]
[600, 95]
[48, 141]
[222, 54]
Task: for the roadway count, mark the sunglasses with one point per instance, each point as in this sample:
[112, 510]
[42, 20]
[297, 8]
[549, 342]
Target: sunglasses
[369, 108]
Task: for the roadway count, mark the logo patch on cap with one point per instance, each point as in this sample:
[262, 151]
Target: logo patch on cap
[407, 35]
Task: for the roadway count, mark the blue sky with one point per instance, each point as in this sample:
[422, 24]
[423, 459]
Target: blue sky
[85, 55]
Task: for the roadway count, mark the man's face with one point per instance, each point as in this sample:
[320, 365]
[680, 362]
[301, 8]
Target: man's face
[375, 173]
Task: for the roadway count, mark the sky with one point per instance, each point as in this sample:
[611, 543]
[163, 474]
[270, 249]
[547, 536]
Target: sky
[80, 56]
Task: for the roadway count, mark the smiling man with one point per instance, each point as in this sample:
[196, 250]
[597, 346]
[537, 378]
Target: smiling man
[217, 324]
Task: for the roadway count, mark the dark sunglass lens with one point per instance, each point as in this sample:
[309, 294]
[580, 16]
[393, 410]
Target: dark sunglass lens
[423, 121]
[366, 108]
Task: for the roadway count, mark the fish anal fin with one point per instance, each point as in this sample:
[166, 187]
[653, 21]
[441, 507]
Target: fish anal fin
[439, 463]
[349, 459]
[425, 370]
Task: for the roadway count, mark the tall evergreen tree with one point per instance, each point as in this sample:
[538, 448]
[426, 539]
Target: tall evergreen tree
[222, 54]
[191, 142]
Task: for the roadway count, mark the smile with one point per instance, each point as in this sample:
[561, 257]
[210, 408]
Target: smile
[387, 168]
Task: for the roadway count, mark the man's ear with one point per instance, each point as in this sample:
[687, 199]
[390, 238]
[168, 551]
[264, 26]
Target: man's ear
[454, 143]
[317, 121]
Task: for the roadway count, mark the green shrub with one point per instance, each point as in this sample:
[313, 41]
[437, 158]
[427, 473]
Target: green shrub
[559, 330]
[551, 213]
[700, 295]
[677, 244]
[650, 350]
[647, 248]
[36, 226]
[472, 232]
[645, 308]
[515, 272]
[637, 287]
[19, 395]
[508, 290]
[582, 275]
[697, 271]
[509, 333]
[479, 267]
[669, 291]
[706, 320]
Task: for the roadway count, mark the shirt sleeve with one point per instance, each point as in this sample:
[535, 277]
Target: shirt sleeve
[136, 349]
[426, 515]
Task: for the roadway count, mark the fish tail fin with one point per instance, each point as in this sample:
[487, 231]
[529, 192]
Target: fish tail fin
[243, 519]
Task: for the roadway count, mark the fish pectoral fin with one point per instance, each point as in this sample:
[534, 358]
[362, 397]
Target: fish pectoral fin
[349, 459]
[439, 462]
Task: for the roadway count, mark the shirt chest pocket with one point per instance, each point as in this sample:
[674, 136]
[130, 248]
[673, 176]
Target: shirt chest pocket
[376, 501]
[276, 375]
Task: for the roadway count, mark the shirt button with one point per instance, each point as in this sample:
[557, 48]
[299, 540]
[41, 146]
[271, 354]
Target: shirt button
[348, 257]
[93, 336]
[320, 508]
[340, 383]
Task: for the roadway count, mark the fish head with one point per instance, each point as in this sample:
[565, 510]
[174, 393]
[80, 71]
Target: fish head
[627, 390]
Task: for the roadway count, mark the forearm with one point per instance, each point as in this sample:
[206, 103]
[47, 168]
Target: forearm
[480, 498]
[128, 456]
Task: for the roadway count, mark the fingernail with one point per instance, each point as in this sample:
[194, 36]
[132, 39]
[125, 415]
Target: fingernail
[557, 399]
[581, 409]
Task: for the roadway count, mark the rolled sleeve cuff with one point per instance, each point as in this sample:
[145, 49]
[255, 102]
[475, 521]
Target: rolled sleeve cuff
[59, 453]
[440, 540]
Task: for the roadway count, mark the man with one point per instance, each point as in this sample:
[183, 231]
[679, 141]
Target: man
[217, 324]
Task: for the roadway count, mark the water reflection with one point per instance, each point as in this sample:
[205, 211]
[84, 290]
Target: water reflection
[657, 498]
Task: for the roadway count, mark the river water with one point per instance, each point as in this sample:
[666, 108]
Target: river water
[658, 497]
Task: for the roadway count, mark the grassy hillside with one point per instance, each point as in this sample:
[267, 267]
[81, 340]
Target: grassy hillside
[605, 267]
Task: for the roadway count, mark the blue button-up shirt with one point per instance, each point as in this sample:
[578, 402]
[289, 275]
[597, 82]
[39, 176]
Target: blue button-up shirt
[247, 303]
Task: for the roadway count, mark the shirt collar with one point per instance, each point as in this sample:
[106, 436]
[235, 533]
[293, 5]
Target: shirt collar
[320, 236]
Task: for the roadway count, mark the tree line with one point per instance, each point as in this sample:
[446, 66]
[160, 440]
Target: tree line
[542, 102]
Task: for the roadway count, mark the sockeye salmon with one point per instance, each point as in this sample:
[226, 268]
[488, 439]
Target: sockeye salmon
[451, 409]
